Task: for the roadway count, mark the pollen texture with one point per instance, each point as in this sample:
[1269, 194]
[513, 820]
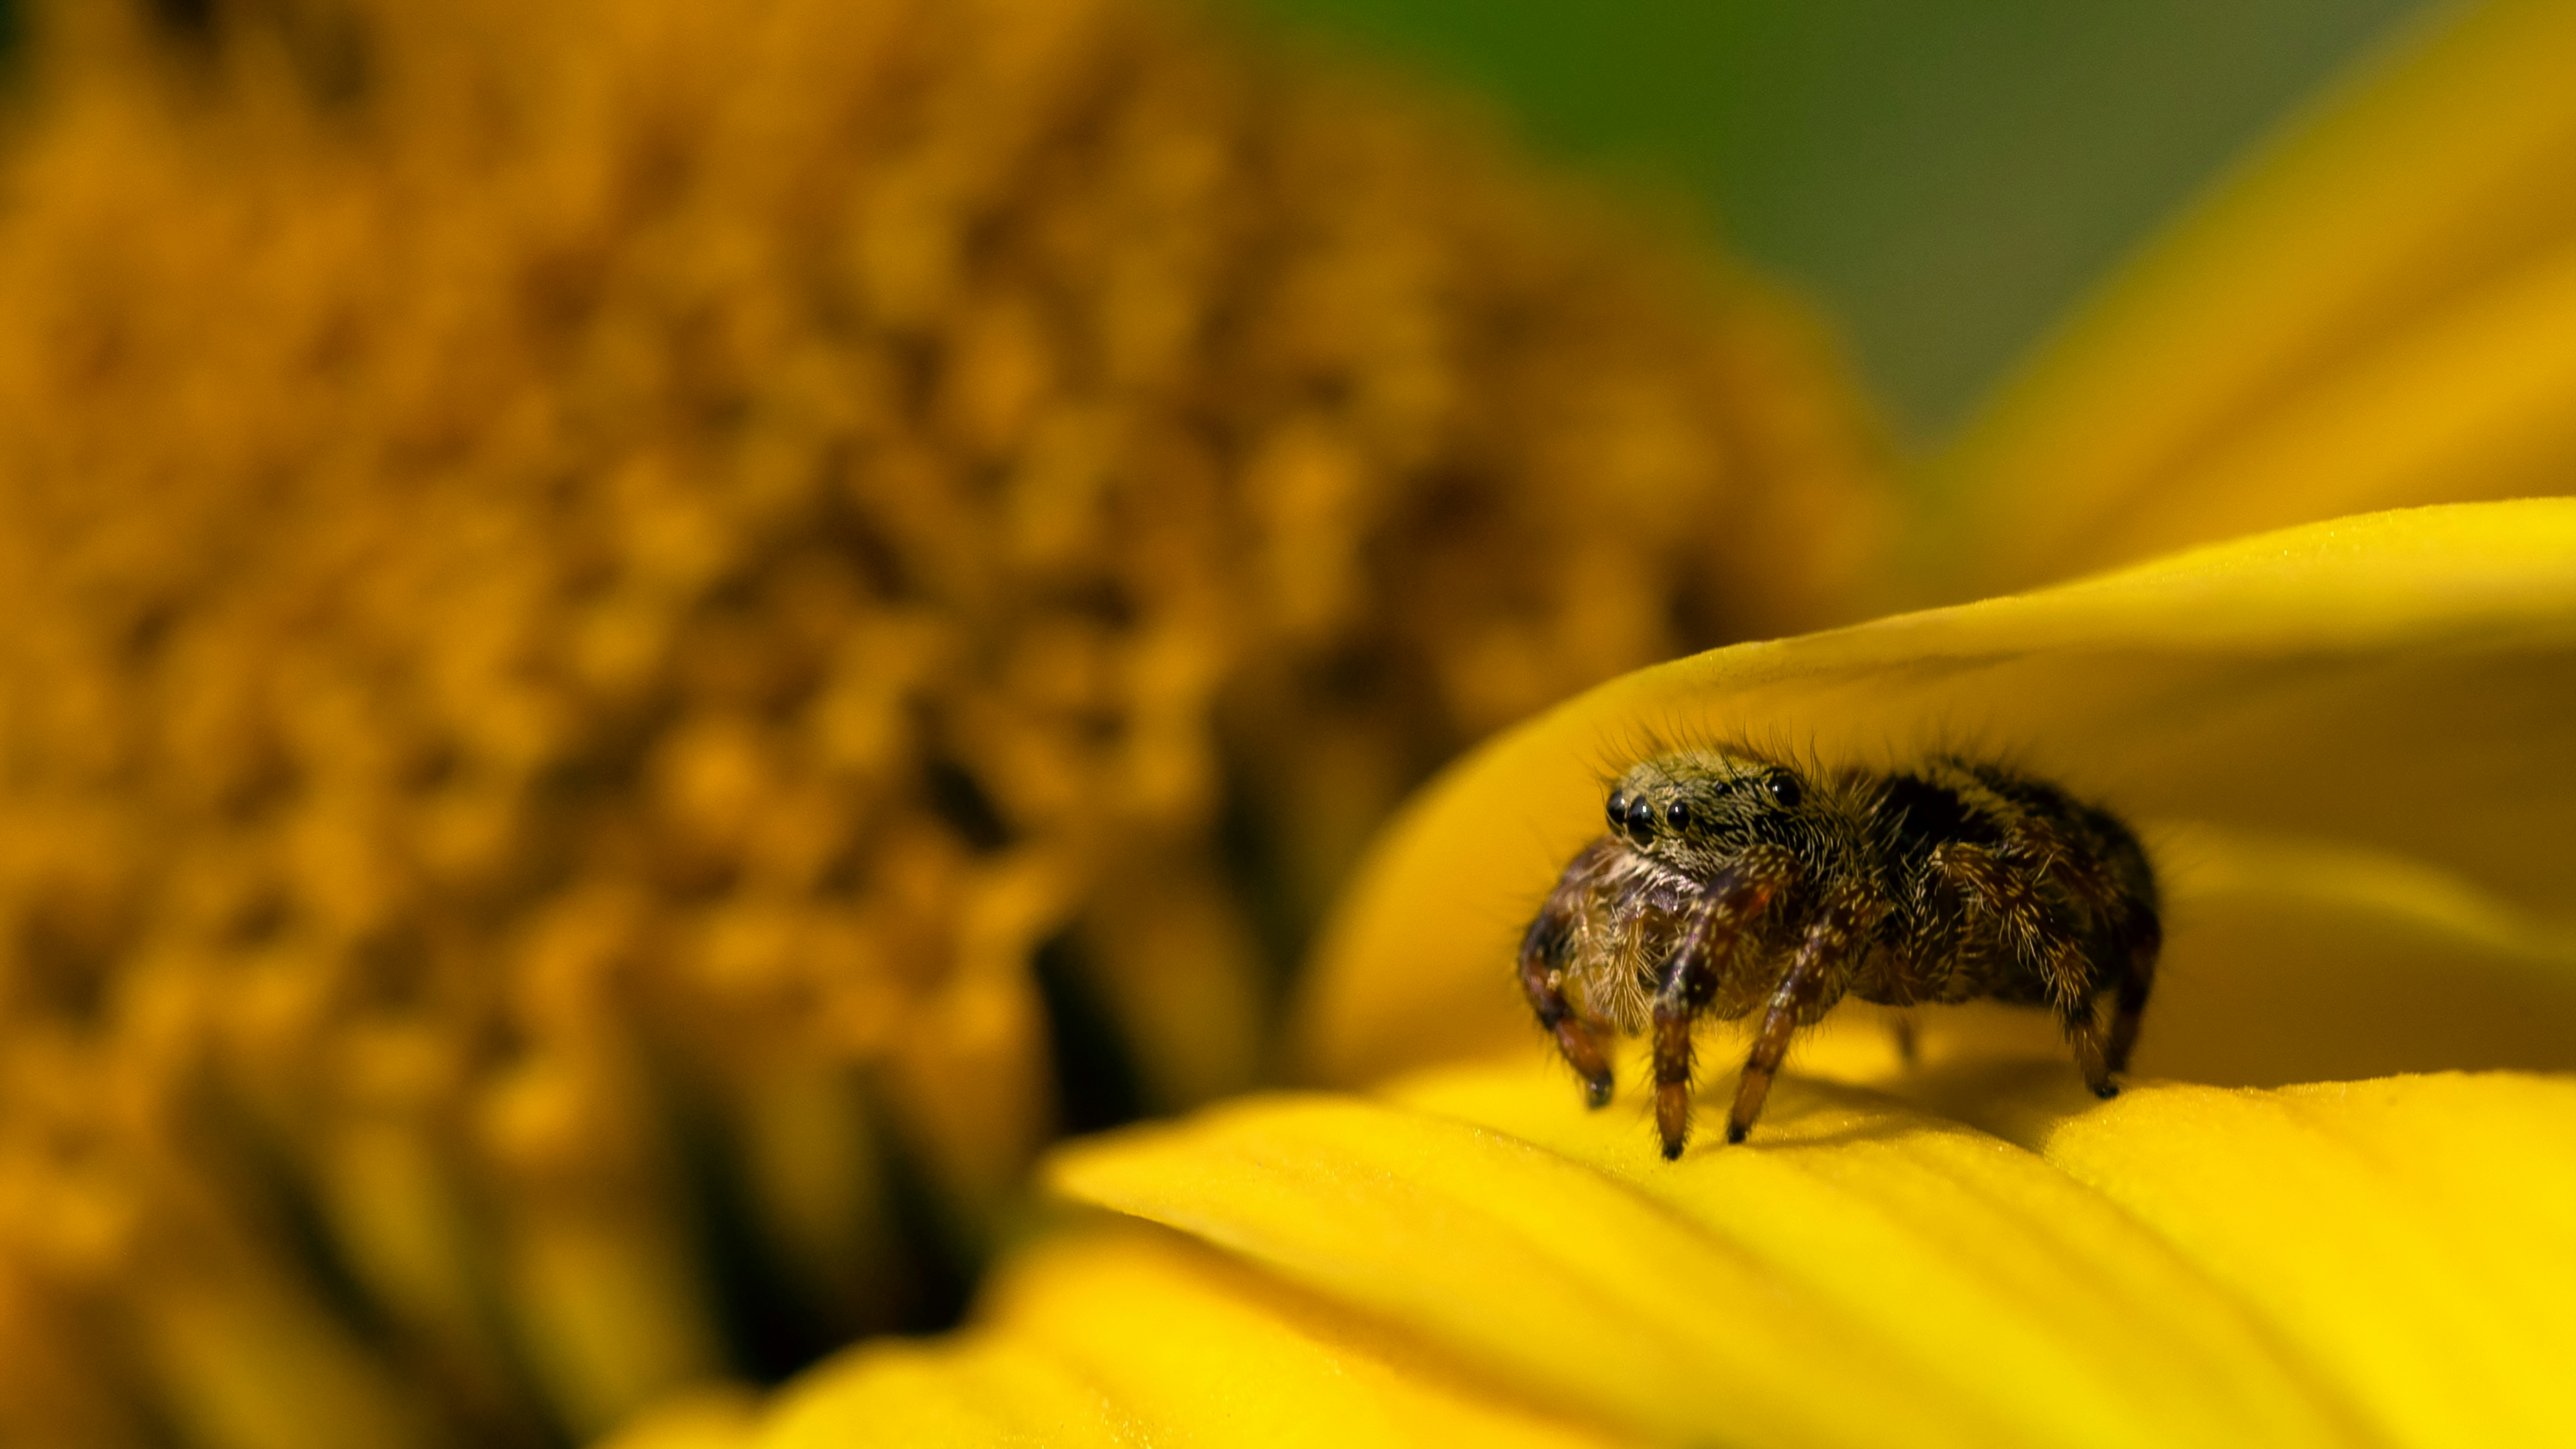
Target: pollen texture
[617, 611]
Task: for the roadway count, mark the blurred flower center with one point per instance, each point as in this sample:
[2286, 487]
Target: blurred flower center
[647, 641]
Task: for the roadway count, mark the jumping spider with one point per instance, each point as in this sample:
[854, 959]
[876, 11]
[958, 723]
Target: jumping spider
[1730, 881]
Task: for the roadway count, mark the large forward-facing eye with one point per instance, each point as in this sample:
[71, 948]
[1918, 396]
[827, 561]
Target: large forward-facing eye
[1641, 820]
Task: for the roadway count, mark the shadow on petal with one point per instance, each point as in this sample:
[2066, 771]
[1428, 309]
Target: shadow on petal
[1864, 1273]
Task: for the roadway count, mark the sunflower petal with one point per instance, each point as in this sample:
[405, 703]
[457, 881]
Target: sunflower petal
[1130, 1336]
[2379, 311]
[2409, 1236]
[2401, 685]
[2305, 960]
[967, 1389]
[1867, 1275]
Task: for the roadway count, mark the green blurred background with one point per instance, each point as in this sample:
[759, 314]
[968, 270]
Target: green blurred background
[1943, 177]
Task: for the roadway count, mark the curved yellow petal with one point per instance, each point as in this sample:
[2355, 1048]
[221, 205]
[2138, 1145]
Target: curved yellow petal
[2305, 960]
[2380, 310]
[2410, 1238]
[1129, 1336]
[1868, 1274]
[963, 1390]
[2477, 400]
[2401, 685]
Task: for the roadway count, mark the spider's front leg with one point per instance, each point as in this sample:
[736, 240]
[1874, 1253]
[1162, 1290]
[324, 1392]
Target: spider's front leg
[1690, 980]
[1814, 979]
[1542, 972]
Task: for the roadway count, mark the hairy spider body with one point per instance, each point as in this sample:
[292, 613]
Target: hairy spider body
[1731, 884]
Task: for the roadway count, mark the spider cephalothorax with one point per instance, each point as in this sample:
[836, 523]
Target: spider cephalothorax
[1730, 882]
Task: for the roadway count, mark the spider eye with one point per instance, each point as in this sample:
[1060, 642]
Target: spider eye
[1784, 790]
[1618, 811]
[1677, 815]
[1641, 820]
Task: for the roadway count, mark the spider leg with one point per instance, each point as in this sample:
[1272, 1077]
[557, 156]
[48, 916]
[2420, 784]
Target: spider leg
[2102, 992]
[2057, 954]
[2133, 933]
[2042, 848]
[2145, 939]
[1814, 980]
[2110, 954]
[1690, 980]
[2004, 890]
[2090, 1036]
[1542, 963]
[2007, 899]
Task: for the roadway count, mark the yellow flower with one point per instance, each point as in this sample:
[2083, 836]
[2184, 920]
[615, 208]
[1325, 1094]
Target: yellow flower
[2352, 745]
[627, 627]
[2350, 741]
[2376, 313]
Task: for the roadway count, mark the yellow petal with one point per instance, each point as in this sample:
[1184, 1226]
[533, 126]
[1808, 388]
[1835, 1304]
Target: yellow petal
[2410, 1238]
[2380, 311]
[967, 1389]
[1867, 1274]
[2400, 685]
[1134, 1337]
[2303, 960]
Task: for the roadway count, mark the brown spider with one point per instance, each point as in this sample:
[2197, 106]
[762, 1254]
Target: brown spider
[1731, 881]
